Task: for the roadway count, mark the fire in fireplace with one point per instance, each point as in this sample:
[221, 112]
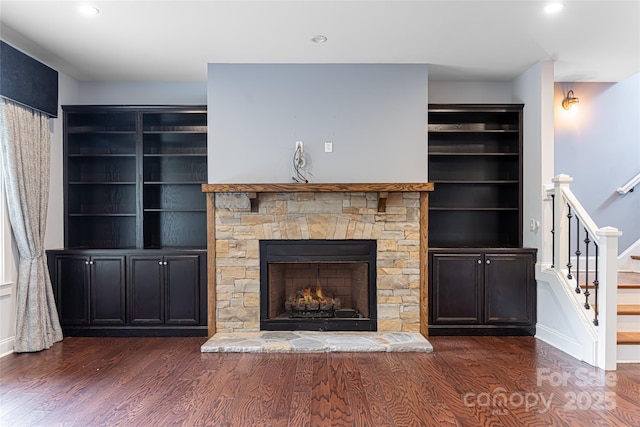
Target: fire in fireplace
[318, 285]
[312, 302]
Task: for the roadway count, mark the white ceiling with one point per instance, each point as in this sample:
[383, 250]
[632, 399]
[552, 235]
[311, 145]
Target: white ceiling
[461, 40]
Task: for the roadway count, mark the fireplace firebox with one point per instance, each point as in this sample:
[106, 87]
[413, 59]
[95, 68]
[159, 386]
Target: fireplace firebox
[318, 285]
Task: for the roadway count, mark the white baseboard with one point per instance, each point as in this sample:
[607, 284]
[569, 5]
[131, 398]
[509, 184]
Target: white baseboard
[560, 341]
[7, 317]
[6, 346]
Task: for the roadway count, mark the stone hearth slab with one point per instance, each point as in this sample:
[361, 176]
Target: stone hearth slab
[316, 342]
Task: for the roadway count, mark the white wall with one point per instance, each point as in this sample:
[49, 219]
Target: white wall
[54, 238]
[374, 114]
[534, 88]
[599, 146]
[454, 92]
[142, 93]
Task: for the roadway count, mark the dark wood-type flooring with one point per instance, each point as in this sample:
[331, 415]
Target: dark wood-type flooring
[467, 381]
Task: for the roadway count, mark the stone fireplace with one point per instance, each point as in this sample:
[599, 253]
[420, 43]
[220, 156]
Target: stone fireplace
[241, 216]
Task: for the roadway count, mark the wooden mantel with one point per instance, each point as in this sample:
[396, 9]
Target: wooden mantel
[383, 189]
[303, 188]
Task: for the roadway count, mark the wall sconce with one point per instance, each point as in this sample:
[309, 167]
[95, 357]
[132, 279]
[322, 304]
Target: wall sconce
[569, 100]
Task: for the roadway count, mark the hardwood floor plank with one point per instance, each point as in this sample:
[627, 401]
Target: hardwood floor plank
[340, 404]
[467, 381]
[320, 391]
[373, 391]
[300, 411]
[304, 373]
[284, 390]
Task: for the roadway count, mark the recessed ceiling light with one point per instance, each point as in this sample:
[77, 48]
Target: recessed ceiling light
[88, 10]
[319, 38]
[554, 7]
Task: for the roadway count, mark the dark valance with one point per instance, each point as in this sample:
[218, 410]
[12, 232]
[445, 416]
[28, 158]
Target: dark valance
[27, 81]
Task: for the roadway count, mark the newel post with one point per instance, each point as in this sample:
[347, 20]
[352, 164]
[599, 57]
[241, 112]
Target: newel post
[607, 298]
[561, 226]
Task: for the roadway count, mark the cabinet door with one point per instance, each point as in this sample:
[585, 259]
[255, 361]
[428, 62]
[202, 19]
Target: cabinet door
[182, 273]
[509, 288]
[456, 288]
[146, 290]
[72, 284]
[107, 290]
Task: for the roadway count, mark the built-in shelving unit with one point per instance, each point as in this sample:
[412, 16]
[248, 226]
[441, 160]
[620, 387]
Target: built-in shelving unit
[175, 166]
[100, 176]
[133, 177]
[480, 277]
[475, 163]
[119, 156]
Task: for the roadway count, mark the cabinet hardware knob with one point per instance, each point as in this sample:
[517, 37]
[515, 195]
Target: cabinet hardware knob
[86, 263]
[165, 263]
[479, 261]
[488, 261]
[159, 262]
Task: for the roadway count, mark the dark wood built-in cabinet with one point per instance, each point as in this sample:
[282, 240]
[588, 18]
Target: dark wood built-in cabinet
[130, 292]
[165, 289]
[133, 179]
[94, 288]
[481, 279]
[492, 291]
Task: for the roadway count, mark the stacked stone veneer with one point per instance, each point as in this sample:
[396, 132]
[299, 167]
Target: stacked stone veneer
[331, 215]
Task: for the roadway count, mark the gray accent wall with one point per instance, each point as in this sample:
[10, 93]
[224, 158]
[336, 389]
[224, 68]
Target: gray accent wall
[599, 146]
[374, 114]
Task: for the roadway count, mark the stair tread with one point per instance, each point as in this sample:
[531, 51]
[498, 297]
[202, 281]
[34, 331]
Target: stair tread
[626, 337]
[626, 280]
[629, 309]
[628, 286]
[620, 286]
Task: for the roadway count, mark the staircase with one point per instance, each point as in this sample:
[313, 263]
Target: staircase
[628, 317]
[585, 322]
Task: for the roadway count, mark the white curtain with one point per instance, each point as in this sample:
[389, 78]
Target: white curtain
[24, 144]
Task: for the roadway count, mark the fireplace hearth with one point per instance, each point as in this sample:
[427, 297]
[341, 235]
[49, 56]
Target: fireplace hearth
[318, 285]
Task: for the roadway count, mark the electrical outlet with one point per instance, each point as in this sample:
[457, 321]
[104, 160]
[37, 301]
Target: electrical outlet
[299, 145]
[533, 224]
[328, 147]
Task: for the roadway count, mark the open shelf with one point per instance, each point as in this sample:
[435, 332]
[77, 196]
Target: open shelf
[474, 228]
[174, 197]
[133, 176]
[475, 163]
[175, 229]
[106, 232]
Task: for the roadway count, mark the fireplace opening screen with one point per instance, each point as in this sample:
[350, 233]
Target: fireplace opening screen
[318, 285]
